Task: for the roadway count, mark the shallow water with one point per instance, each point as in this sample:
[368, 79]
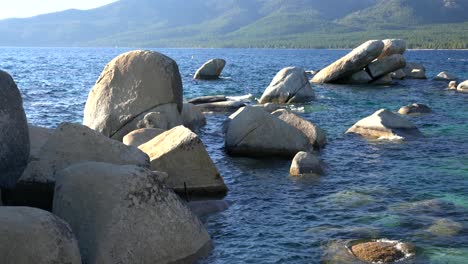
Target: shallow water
[369, 186]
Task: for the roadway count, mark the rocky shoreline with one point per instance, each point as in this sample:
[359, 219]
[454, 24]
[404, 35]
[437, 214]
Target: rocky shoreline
[100, 192]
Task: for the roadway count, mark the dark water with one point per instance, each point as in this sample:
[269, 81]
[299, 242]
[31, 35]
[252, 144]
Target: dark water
[369, 187]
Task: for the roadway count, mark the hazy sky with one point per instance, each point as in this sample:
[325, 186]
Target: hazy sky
[27, 8]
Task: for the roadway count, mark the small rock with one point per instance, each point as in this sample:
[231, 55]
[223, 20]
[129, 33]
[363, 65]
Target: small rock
[445, 76]
[181, 154]
[384, 124]
[208, 99]
[353, 62]
[154, 120]
[463, 87]
[210, 70]
[384, 80]
[141, 136]
[379, 251]
[415, 71]
[29, 235]
[290, 85]
[453, 85]
[305, 163]
[414, 109]
[192, 117]
[398, 74]
[123, 214]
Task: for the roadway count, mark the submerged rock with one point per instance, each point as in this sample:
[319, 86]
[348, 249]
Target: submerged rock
[353, 62]
[131, 85]
[382, 251]
[29, 235]
[123, 214]
[445, 227]
[141, 136]
[181, 154]
[317, 136]
[254, 132]
[290, 85]
[415, 71]
[463, 87]
[445, 76]
[208, 99]
[414, 109]
[305, 163]
[384, 124]
[221, 107]
[207, 207]
[14, 134]
[210, 70]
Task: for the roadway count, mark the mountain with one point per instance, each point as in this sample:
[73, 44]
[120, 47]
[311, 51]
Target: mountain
[245, 23]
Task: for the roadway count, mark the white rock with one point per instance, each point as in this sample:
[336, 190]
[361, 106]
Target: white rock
[210, 70]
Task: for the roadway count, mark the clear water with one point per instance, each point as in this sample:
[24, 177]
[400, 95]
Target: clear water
[369, 186]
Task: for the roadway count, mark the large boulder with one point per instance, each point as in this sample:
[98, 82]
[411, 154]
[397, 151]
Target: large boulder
[384, 80]
[415, 70]
[414, 109]
[463, 86]
[71, 143]
[317, 136]
[290, 85]
[123, 214]
[192, 117]
[305, 163]
[14, 138]
[353, 62]
[255, 132]
[141, 136]
[30, 235]
[445, 76]
[393, 46]
[38, 136]
[384, 124]
[386, 65]
[132, 85]
[210, 70]
[181, 154]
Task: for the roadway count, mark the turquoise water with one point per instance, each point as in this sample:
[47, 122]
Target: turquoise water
[371, 189]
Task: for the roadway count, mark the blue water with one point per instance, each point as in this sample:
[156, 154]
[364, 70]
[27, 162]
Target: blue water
[369, 186]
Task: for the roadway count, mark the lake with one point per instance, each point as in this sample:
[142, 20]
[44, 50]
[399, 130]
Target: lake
[372, 189]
